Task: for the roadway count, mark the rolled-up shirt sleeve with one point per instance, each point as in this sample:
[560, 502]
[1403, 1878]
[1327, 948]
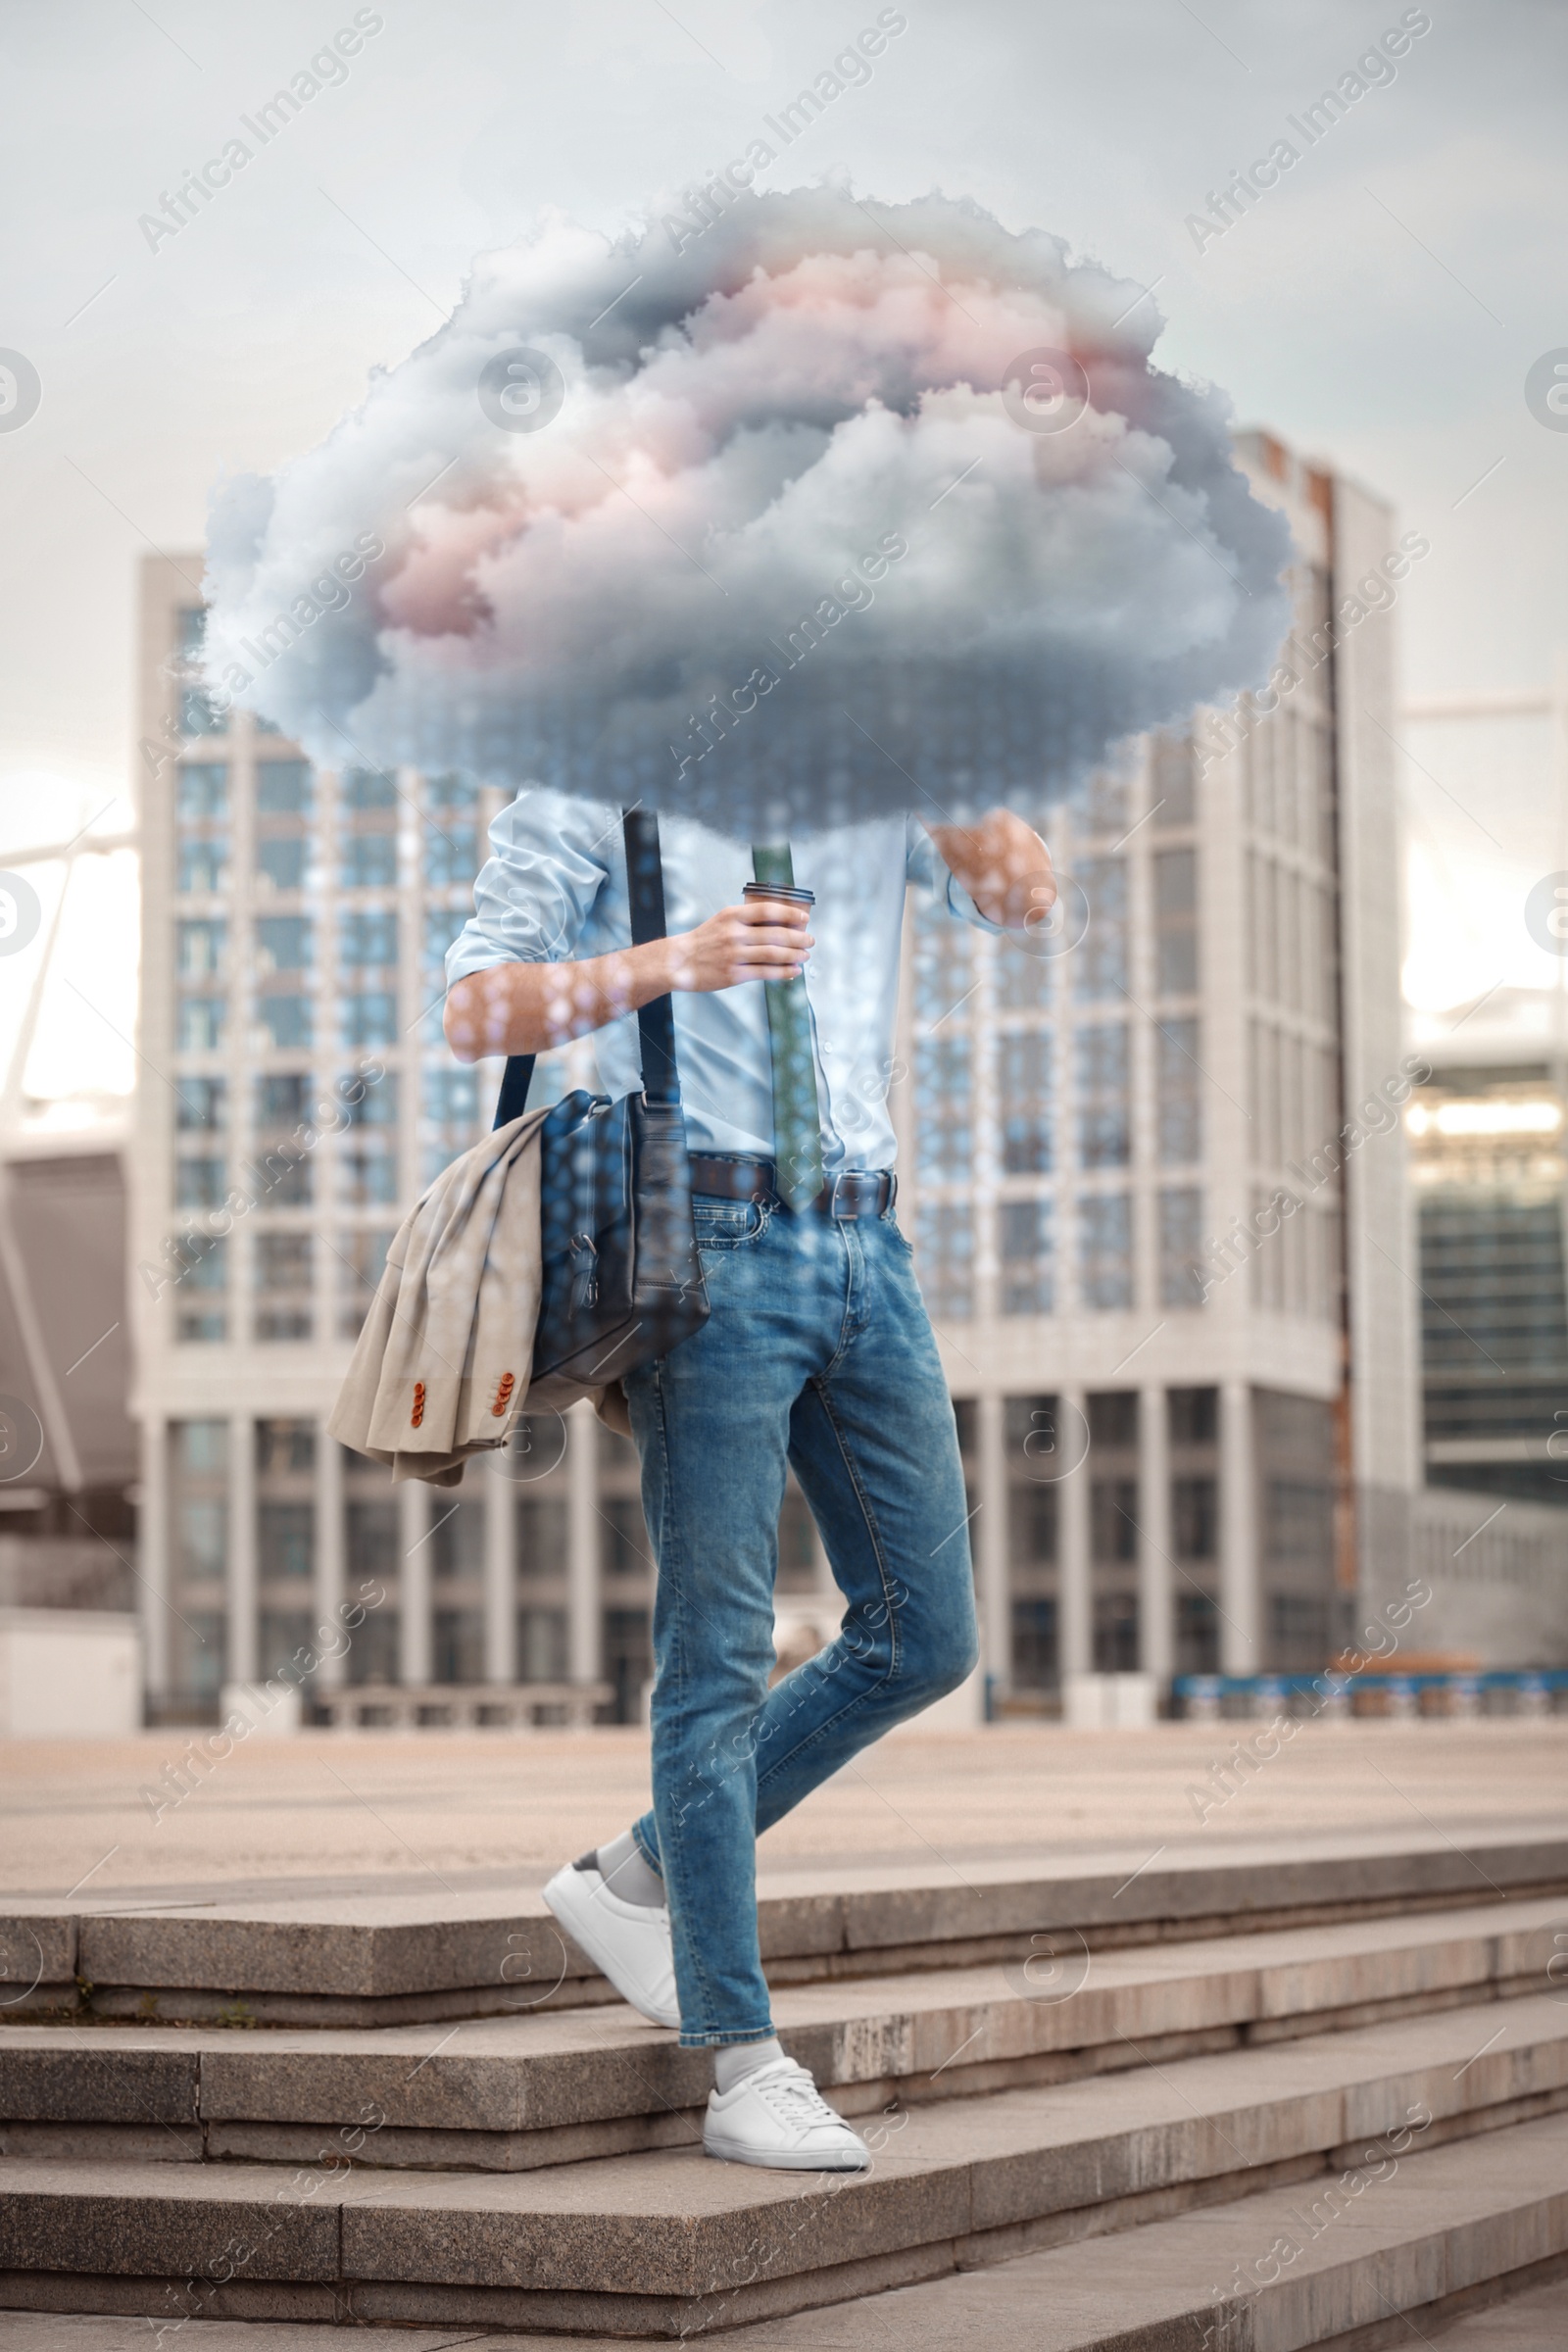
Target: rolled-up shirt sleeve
[550, 860]
[926, 867]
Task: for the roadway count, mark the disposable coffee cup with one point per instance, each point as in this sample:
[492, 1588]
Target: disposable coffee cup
[786, 891]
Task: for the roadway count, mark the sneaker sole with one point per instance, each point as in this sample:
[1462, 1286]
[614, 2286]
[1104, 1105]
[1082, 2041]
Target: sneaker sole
[798, 2162]
[577, 1918]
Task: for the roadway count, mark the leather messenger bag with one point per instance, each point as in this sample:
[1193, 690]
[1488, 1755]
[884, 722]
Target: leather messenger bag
[622, 1280]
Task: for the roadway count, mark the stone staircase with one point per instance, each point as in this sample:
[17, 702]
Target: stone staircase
[1214, 2098]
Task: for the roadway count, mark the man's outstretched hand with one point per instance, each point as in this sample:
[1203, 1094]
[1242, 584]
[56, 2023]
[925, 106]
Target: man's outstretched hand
[1003, 865]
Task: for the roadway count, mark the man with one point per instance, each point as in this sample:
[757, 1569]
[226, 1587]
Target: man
[817, 1354]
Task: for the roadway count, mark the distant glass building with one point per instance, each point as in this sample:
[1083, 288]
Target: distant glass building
[1487, 1153]
[1168, 1470]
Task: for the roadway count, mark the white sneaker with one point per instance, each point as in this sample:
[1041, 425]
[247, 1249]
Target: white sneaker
[630, 1941]
[779, 2119]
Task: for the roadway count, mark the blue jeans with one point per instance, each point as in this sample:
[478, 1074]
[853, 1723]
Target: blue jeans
[817, 1354]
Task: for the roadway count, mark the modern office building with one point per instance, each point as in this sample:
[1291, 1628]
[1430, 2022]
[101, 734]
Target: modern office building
[1168, 1470]
[1486, 1152]
[67, 1447]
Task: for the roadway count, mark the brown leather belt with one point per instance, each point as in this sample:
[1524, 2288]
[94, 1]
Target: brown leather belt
[852, 1193]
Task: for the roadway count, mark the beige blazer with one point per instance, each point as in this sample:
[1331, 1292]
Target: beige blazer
[442, 1366]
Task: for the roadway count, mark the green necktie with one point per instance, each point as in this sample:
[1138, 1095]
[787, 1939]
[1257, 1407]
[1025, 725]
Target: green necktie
[796, 1122]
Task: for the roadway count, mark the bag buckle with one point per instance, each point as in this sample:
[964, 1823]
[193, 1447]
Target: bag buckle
[584, 1272]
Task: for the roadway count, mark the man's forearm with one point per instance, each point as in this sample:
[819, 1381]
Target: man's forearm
[528, 1007]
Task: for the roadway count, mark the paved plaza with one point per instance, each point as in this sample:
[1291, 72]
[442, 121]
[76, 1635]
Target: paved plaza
[372, 1811]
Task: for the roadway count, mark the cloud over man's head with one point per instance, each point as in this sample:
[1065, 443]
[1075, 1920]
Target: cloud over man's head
[824, 508]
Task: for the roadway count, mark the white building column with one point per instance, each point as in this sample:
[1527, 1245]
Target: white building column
[1240, 1598]
[993, 1551]
[1075, 1645]
[500, 1574]
[585, 1615]
[153, 1560]
[415, 1521]
[243, 1632]
[329, 1555]
[1157, 1630]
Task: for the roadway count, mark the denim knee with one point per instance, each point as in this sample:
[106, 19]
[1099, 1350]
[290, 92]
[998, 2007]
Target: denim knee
[939, 1654]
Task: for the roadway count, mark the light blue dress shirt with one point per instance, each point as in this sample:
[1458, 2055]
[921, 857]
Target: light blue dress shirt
[554, 890]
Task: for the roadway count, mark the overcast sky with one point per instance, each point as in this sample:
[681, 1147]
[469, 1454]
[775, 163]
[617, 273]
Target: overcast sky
[1381, 307]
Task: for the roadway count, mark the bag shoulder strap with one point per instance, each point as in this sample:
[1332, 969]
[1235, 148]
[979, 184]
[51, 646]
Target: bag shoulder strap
[656, 1022]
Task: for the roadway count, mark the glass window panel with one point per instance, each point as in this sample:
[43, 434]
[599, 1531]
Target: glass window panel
[280, 859]
[369, 938]
[1025, 1245]
[542, 1645]
[199, 1183]
[1194, 1417]
[542, 1531]
[369, 861]
[199, 1314]
[367, 1177]
[361, 1259]
[286, 1020]
[201, 1104]
[282, 1100]
[1176, 923]
[190, 631]
[944, 966]
[370, 1017]
[456, 1645]
[943, 1071]
[286, 1540]
[1106, 1250]
[284, 787]
[284, 943]
[199, 714]
[451, 792]
[451, 853]
[1181, 1243]
[1194, 1516]
[451, 1097]
[201, 948]
[200, 1022]
[378, 1103]
[202, 864]
[1179, 1103]
[1023, 980]
[1034, 1642]
[283, 1280]
[1099, 963]
[370, 788]
[1026, 1109]
[1113, 1520]
[441, 927]
[457, 1540]
[201, 789]
[1104, 1095]
[943, 1245]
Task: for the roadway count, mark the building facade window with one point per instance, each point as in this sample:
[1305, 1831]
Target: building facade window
[1106, 1250]
[1026, 1251]
[1182, 1281]
[1026, 1112]
[1104, 1095]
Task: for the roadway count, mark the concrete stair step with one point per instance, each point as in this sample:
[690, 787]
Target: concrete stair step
[385, 1958]
[549, 2087]
[659, 2242]
[1428, 2251]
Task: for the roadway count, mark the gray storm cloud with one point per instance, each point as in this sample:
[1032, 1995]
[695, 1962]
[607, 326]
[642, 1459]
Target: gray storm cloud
[820, 508]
